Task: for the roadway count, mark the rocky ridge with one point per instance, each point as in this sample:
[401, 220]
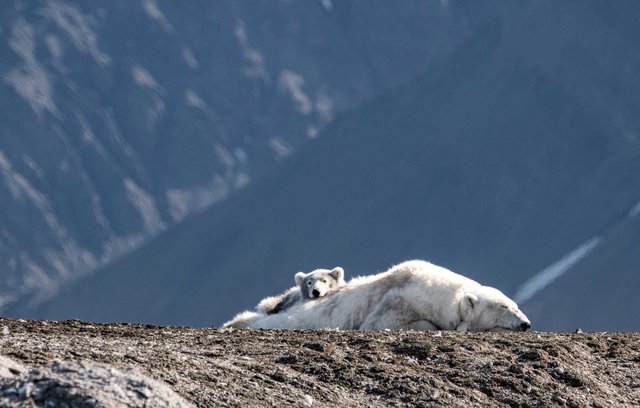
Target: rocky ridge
[215, 367]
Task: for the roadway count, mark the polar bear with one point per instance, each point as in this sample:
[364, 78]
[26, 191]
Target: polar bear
[414, 295]
[313, 285]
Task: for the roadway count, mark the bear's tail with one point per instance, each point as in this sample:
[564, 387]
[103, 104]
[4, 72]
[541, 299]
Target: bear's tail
[243, 320]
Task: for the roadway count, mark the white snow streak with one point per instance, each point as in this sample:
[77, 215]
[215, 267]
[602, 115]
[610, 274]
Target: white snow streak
[30, 80]
[327, 4]
[635, 210]
[281, 149]
[19, 187]
[312, 132]
[70, 257]
[292, 83]
[35, 277]
[89, 137]
[143, 78]
[33, 166]
[552, 272]
[78, 27]
[189, 58]
[152, 9]
[324, 107]
[184, 202]
[155, 109]
[241, 178]
[115, 134]
[194, 100]
[256, 68]
[146, 206]
[54, 46]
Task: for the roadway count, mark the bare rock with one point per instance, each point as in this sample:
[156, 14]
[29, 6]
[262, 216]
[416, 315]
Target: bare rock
[87, 384]
[9, 368]
[318, 368]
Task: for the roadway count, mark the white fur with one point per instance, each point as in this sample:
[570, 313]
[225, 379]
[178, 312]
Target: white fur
[243, 320]
[320, 282]
[309, 286]
[412, 295]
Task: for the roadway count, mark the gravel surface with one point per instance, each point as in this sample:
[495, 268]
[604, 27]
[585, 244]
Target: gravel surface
[328, 368]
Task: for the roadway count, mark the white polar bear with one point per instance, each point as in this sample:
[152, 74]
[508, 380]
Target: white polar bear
[313, 285]
[412, 295]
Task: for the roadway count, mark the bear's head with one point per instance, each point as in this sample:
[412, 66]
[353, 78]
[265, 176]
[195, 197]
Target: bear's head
[318, 283]
[488, 309]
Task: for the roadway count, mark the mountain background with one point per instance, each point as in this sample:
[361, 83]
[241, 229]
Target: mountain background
[120, 119]
[174, 164]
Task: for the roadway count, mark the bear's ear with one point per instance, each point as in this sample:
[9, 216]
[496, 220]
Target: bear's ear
[467, 304]
[470, 300]
[337, 273]
[300, 277]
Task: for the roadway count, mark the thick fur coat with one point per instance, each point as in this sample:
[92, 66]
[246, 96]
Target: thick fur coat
[412, 295]
[313, 285]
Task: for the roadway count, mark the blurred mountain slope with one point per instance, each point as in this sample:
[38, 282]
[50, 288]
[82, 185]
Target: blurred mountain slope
[122, 118]
[496, 162]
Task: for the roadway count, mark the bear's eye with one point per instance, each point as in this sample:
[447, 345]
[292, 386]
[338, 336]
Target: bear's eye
[309, 283]
[505, 307]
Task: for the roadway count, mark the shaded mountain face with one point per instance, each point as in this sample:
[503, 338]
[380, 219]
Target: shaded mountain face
[121, 118]
[600, 291]
[519, 147]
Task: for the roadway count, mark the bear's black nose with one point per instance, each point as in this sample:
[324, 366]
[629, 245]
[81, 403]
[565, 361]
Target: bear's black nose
[315, 293]
[525, 326]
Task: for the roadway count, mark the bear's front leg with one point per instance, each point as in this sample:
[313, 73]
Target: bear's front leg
[463, 327]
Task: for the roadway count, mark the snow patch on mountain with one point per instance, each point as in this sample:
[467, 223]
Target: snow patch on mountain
[88, 137]
[241, 178]
[279, 146]
[143, 78]
[30, 80]
[327, 4]
[37, 171]
[65, 260]
[20, 188]
[153, 11]
[324, 107]
[194, 100]
[156, 107]
[115, 134]
[54, 46]
[72, 256]
[78, 26]
[183, 202]
[146, 206]
[189, 58]
[35, 277]
[312, 132]
[635, 210]
[256, 68]
[292, 83]
[554, 271]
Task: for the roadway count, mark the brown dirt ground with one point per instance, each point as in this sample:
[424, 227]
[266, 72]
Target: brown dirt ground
[329, 368]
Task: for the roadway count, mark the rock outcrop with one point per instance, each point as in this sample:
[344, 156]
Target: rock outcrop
[88, 365]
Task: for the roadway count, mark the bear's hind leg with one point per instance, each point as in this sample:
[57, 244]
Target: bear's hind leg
[421, 325]
[391, 312]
